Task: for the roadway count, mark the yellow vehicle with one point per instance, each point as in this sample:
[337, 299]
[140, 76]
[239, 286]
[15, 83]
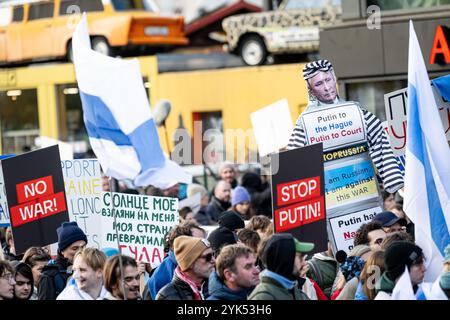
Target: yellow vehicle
[43, 29]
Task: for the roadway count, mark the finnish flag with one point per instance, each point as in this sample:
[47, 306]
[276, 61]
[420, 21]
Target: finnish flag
[118, 117]
[427, 171]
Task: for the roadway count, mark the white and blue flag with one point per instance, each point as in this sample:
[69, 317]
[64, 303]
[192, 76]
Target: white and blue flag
[118, 117]
[427, 172]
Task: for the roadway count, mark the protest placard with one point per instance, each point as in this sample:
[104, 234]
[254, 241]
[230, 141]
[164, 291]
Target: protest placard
[272, 127]
[395, 103]
[350, 182]
[140, 224]
[83, 185]
[336, 126]
[36, 199]
[343, 227]
[298, 199]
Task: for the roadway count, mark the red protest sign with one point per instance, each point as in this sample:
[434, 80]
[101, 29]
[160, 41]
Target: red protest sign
[34, 189]
[299, 214]
[299, 190]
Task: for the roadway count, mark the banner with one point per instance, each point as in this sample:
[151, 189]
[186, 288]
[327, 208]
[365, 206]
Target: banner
[298, 200]
[350, 182]
[140, 226]
[83, 185]
[395, 103]
[343, 228]
[336, 126]
[36, 199]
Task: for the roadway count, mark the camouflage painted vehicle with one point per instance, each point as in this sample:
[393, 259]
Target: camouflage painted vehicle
[292, 28]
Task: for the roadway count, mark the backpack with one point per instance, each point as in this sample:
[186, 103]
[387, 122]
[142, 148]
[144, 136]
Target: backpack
[60, 277]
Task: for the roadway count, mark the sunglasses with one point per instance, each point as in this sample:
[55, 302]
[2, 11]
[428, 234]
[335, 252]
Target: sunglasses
[208, 257]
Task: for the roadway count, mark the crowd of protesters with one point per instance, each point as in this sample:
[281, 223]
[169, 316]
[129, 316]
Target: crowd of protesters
[238, 259]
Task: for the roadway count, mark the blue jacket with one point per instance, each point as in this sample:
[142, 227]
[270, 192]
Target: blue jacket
[219, 291]
[360, 295]
[162, 275]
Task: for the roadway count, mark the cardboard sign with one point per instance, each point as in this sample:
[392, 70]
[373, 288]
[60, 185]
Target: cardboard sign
[36, 199]
[83, 185]
[336, 126]
[396, 107]
[344, 227]
[350, 182]
[139, 226]
[298, 200]
[272, 126]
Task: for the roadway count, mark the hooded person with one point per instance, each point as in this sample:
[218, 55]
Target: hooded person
[322, 89]
[56, 273]
[281, 256]
[398, 255]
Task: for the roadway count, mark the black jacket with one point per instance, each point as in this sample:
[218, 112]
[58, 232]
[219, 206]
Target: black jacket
[216, 207]
[179, 290]
[54, 278]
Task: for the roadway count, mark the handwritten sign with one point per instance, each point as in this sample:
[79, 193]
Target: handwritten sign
[335, 126]
[344, 227]
[396, 114]
[83, 185]
[139, 226]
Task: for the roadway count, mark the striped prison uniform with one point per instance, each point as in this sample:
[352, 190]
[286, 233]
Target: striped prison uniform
[379, 150]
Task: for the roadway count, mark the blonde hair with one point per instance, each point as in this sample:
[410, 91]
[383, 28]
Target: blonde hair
[93, 257]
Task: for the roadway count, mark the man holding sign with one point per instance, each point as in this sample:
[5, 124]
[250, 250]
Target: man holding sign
[347, 124]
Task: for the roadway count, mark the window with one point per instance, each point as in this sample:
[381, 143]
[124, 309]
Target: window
[17, 14]
[210, 136]
[40, 11]
[386, 5]
[371, 95]
[72, 6]
[123, 5]
[18, 129]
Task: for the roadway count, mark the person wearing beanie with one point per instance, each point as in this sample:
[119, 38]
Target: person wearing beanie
[57, 272]
[221, 237]
[240, 202]
[283, 257]
[227, 173]
[232, 221]
[398, 255]
[195, 260]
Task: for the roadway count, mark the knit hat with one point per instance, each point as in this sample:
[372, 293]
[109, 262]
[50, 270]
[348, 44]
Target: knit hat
[194, 188]
[225, 165]
[68, 233]
[188, 249]
[398, 255]
[221, 237]
[231, 220]
[240, 195]
[313, 68]
[359, 250]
